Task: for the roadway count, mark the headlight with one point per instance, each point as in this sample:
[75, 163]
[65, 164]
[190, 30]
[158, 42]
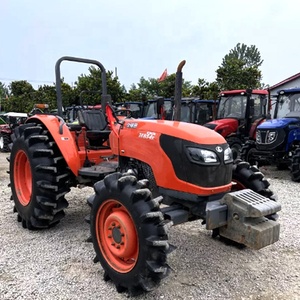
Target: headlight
[271, 137]
[258, 137]
[202, 156]
[228, 155]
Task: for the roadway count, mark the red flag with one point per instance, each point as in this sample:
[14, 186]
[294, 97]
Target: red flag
[163, 76]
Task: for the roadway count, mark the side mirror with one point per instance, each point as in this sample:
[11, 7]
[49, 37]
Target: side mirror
[251, 102]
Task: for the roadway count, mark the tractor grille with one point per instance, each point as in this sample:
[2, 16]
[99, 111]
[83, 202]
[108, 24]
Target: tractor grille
[270, 139]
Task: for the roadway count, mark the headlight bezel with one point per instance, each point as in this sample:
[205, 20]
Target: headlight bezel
[202, 156]
[229, 155]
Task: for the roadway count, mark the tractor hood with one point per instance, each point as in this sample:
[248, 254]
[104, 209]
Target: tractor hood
[277, 123]
[223, 126]
[146, 129]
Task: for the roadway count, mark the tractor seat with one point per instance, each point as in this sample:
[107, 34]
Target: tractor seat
[96, 127]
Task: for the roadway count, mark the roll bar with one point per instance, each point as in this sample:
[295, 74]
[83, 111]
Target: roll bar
[105, 98]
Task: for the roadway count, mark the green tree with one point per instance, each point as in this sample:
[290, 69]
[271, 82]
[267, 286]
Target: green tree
[91, 86]
[3, 96]
[240, 69]
[152, 88]
[248, 54]
[205, 89]
[20, 99]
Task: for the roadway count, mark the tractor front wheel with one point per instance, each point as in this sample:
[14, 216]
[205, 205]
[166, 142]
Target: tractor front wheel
[247, 152]
[295, 166]
[128, 233]
[39, 177]
[4, 142]
[246, 176]
[235, 145]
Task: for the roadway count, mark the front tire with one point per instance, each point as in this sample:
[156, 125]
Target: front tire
[295, 166]
[247, 151]
[246, 176]
[4, 142]
[235, 145]
[128, 233]
[39, 177]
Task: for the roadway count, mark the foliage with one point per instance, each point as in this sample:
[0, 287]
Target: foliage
[151, 88]
[3, 96]
[248, 54]
[89, 87]
[205, 90]
[240, 69]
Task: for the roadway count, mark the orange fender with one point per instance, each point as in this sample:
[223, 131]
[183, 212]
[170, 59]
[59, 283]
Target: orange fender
[64, 140]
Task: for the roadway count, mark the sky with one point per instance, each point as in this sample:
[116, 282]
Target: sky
[143, 38]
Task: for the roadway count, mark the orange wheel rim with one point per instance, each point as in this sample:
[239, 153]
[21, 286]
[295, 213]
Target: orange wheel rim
[117, 237]
[22, 178]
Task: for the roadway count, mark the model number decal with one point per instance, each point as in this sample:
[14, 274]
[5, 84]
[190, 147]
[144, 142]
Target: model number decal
[131, 125]
[149, 135]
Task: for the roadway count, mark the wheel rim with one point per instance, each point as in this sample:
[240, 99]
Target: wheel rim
[22, 178]
[116, 236]
[1, 142]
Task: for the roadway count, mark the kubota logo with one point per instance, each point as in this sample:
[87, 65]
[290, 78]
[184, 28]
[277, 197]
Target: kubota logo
[219, 149]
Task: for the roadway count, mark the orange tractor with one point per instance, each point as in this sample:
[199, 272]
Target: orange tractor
[136, 165]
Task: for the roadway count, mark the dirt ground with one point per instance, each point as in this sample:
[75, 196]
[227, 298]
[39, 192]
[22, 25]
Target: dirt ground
[57, 263]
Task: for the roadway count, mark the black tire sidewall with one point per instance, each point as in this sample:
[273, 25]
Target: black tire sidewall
[135, 211]
[25, 211]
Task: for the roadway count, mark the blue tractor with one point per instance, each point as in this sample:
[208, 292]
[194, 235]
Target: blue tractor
[278, 139]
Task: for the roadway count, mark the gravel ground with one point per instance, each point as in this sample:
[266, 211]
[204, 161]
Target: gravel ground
[57, 263]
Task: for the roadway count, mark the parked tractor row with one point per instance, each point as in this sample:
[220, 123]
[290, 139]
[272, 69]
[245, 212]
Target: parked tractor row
[148, 175]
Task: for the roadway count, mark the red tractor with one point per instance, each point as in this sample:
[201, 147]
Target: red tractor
[239, 114]
[7, 122]
[136, 165]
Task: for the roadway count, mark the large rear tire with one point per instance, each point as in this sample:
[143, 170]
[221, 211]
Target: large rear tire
[128, 233]
[39, 177]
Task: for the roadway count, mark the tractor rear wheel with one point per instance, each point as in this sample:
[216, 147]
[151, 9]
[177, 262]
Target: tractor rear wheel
[4, 142]
[295, 166]
[39, 177]
[129, 233]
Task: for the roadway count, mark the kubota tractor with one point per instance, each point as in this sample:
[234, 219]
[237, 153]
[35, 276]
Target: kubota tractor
[239, 114]
[136, 165]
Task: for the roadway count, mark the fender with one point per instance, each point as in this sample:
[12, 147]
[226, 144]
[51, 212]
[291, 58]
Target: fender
[55, 124]
[256, 123]
[225, 127]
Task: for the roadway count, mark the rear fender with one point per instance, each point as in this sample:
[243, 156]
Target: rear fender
[63, 138]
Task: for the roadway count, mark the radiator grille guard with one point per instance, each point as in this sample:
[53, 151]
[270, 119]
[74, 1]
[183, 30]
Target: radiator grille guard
[246, 220]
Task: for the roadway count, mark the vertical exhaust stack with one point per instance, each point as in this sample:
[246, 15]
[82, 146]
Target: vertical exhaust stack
[178, 92]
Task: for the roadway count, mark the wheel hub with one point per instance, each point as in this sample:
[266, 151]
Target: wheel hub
[121, 234]
[117, 235]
